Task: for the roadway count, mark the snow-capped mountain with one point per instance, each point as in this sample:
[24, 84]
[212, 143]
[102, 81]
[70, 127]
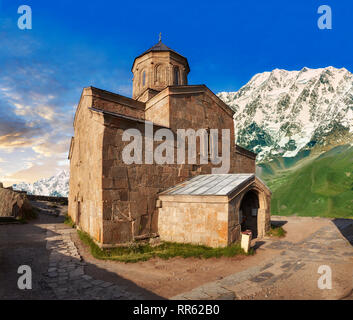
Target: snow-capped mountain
[280, 113]
[55, 186]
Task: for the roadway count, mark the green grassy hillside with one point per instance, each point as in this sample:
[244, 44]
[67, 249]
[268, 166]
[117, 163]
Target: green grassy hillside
[315, 186]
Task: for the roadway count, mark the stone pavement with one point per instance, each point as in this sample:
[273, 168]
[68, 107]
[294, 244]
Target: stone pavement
[58, 271]
[66, 275]
[332, 243]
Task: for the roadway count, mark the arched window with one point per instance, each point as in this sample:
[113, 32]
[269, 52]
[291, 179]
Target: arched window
[176, 76]
[143, 78]
[159, 74]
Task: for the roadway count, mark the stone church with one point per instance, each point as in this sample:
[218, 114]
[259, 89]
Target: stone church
[117, 203]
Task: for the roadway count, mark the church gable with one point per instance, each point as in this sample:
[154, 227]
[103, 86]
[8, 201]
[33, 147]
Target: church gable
[193, 106]
[196, 107]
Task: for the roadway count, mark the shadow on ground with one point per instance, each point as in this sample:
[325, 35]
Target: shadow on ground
[25, 244]
[345, 226]
[278, 223]
[258, 244]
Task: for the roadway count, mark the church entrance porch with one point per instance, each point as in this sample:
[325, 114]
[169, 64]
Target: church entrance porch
[213, 209]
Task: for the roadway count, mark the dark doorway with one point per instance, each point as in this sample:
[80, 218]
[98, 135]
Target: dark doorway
[248, 212]
[78, 213]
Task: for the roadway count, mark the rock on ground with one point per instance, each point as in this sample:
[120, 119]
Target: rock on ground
[14, 204]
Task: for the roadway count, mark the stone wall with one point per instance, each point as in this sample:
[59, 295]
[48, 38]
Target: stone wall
[85, 197]
[14, 204]
[115, 202]
[157, 110]
[61, 200]
[234, 228]
[158, 68]
[244, 160]
[130, 192]
[112, 102]
[210, 220]
[197, 220]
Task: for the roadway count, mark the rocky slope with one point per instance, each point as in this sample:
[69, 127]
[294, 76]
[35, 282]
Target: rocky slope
[282, 113]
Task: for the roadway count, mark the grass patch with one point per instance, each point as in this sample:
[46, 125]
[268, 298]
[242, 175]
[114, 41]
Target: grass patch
[143, 252]
[68, 221]
[277, 231]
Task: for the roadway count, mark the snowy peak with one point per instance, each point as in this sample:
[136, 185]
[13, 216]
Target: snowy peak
[283, 112]
[55, 186]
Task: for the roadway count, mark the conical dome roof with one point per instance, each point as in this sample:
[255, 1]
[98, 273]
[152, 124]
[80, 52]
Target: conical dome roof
[160, 47]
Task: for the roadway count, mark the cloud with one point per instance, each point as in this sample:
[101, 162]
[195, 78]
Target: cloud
[49, 149]
[33, 116]
[14, 133]
[12, 141]
[42, 111]
[40, 81]
[46, 112]
[35, 171]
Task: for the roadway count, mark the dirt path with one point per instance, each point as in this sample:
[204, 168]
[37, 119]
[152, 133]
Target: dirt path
[293, 272]
[168, 278]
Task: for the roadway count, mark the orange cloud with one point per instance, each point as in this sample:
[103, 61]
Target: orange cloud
[49, 149]
[35, 172]
[15, 140]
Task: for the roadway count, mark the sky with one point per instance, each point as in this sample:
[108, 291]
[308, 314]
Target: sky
[76, 44]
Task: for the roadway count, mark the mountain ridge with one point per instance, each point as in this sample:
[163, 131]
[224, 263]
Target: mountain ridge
[55, 186]
[280, 112]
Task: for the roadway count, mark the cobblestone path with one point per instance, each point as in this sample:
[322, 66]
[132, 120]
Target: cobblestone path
[58, 272]
[66, 275]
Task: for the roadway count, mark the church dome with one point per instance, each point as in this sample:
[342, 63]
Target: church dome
[158, 47]
[157, 68]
